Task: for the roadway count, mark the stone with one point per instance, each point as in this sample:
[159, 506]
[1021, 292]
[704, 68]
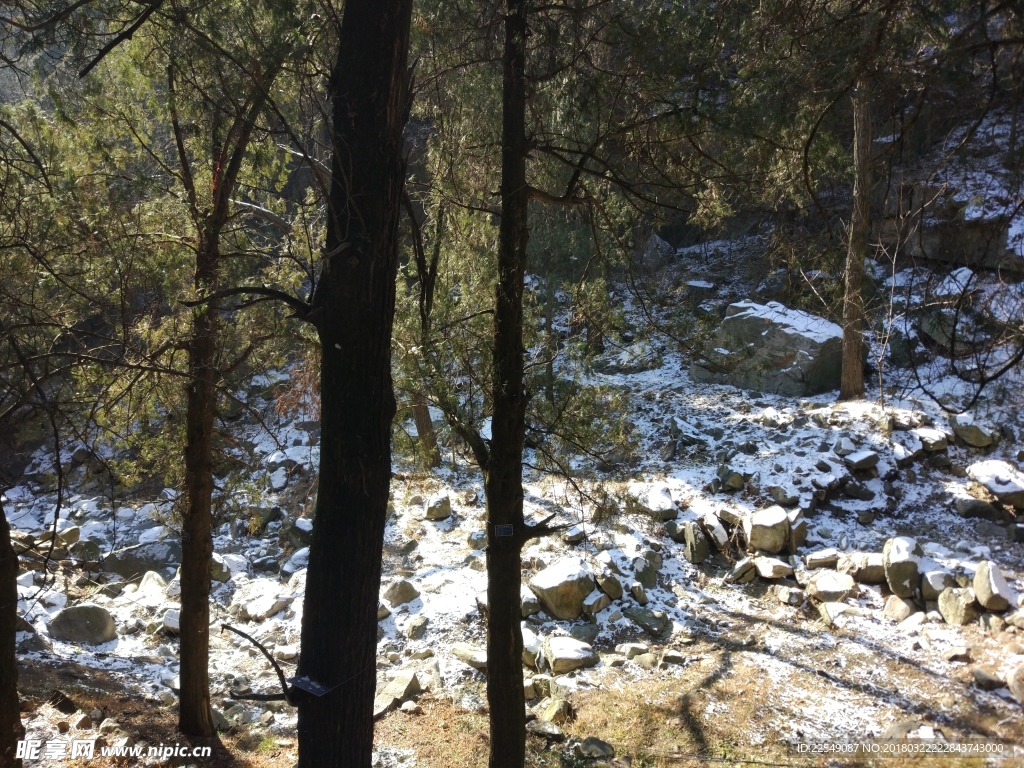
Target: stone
[595, 602]
[958, 653]
[830, 612]
[932, 440]
[975, 433]
[133, 561]
[772, 568]
[565, 654]
[1001, 479]
[771, 348]
[172, 620]
[986, 677]
[714, 531]
[730, 479]
[593, 748]
[676, 531]
[788, 595]
[545, 730]
[864, 567]
[696, 546]
[767, 530]
[471, 655]
[629, 650]
[822, 558]
[897, 608]
[957, 606]
[609, 583]
[645, 572]
[646, 660]
[901, 558]
[934, 580]
[990, 588]
[438, 507]
[1015, 682]
[400, 689]
[557, 712]
[563, 586]
[636, 589]
[743, 572]
[416, 627]
[263, 606]
[655, 502]
[971, 508]
[653, 622]
[87, 623]
[861, 460]
[532, 646]
[401, 591]
[219, 570]
[783, 496]
[830, 586]
[528, 602]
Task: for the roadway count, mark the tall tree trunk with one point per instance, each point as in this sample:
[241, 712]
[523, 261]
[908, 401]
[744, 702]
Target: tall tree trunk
[550, 340]
[427, 436]
[852, 382]
[195, 716]
[11, 729]
[503, 477]
[355, 301]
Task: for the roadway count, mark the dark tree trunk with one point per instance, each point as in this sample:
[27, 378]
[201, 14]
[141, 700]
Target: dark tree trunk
[425, 430]
[503, 476]
[196, 717]
[355, 300]
[852, 382]
[11, 729]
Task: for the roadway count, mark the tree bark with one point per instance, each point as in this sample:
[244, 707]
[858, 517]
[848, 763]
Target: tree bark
[427, 436]
[354, 301]
[503, 475]
[11, 729]
[195, 716]
[852, 381]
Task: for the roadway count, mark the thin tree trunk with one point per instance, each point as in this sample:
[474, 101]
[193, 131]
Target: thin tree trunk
[550, 343]
[11, 729]
[356, 296]
[503, 478]
[425, 430]
[196, 717]
[852, 382]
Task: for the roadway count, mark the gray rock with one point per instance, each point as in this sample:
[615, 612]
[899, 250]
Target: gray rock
[771, 348]
[219, 570]
[655, 502]
[976, 508]
[565, 654]
[783, 496]
[438, 507]
[861, 460]
[823, 558]
[86, 623]
[743, 572]
[932, 440]
[585, 633]
[136, 560]
[714, 531]
[402, 688]
[957, 606]
[545, 730]
[532, 646]
[1015, 682]
[528, 603]
[471, 655]
[401, 591]
[976, 434]
[767, 530]
[172, 620]
[651, 621]
[416, 627]
[933, 581]
[1001, 479]
[897, 608]
[595, 602]
[730, 479]
[563, 586]
[593, 748]
[991, 588]
[629, 650]
[609, 583]
[646, 660]
[557, 712]
[864, 567]
[696, 549]
[636, 589]
[676, 531]
[986, 677]
[830, 586]
[901, 557]
[788, 595]
[772, 568]
[645, 573]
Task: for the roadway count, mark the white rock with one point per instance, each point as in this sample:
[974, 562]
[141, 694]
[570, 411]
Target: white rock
[172, 620]
[991, 588]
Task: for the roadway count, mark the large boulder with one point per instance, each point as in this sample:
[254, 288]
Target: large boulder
[830, 587]
[976, 434]
[86, 623]
[1001, 479]
[901, 558]
[564, 654]
[563, 586]
[991, 588]
[771, 348]
[438, 507]
[656, 502]
[767, 530]
[136, 560]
